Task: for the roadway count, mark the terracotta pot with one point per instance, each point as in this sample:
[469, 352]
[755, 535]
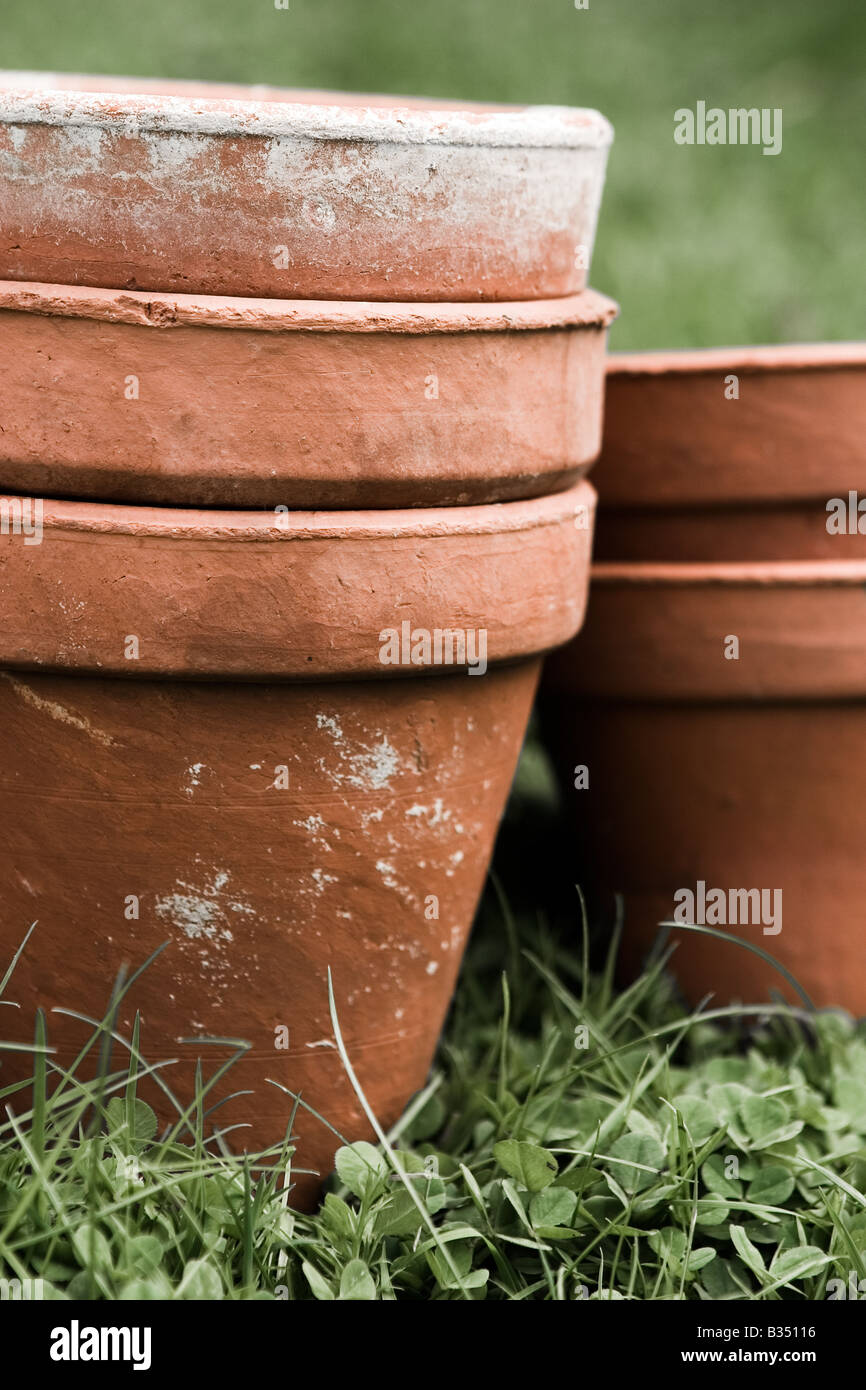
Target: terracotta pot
[294, 194]
[794, 434]
[239, 402]
[738, 774]
[252, 794]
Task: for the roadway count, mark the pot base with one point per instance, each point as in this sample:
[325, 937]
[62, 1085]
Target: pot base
[267, 833]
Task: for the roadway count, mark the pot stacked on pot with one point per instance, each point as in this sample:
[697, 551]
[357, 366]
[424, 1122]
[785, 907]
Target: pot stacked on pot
[298, 399]
[717, 697]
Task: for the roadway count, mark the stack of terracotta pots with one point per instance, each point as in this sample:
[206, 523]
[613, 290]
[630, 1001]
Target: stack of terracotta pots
[716, 702]
[298, 394]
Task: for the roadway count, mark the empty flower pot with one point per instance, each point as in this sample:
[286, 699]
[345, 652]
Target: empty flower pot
[261, 192]
[281, 749]
[734, 454]
[202, 401]
[708, 724]
[733, 425]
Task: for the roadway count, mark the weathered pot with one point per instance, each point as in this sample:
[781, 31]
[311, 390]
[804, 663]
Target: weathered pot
[256, 791]
[674, 438]
[239, 402]
[737, 774]
[293, 194]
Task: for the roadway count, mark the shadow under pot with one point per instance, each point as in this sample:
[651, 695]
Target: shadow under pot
[258, 191]
[719, 713]
[203, 401]
[281, 752]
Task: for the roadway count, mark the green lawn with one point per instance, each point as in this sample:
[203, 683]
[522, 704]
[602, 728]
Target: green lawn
[699, 245]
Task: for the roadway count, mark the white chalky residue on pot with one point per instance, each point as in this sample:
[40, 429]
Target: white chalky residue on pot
[435, 815]
[199, 913]
[315, 827]
[367, 766]
[321, 879]
[193, 773]
[172, 154]
[56, 711]
[456, 858]
[84, 149]
[390, 880]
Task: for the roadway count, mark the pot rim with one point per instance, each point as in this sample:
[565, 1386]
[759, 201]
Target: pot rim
[215, 524]
[786, 357]
[732, 573]
[229, 597]
[588, 308]
[32, 98]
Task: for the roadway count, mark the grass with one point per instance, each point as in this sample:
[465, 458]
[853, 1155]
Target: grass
[576, 1141]
[701, 246]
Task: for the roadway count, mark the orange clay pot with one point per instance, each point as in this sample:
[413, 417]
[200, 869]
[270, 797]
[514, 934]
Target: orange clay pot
[238, 402]
[255, 191]
[738, 774]
[673, 439]
[257, 792]
[690, 472]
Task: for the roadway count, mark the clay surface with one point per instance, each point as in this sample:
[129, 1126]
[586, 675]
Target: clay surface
[658, 632]
[294, 194]
[741, 773]
[766, 795]
[795, 433]
[237, 402]
[265, 833]
[253, 596]
[272, 827]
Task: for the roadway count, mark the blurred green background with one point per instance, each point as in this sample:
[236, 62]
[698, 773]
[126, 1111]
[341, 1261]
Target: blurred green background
[700, 245]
